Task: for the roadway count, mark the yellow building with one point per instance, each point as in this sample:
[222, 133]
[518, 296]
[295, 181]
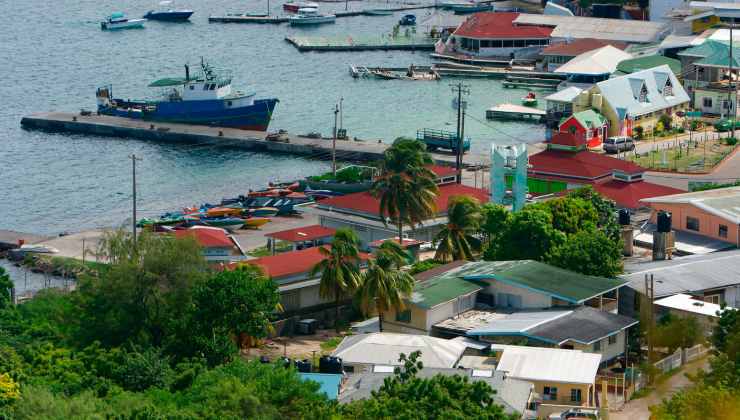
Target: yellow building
[639, 99]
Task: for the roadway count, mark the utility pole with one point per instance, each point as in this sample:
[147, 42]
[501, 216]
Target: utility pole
[650, 292]
[346, 4]
[461, 89]
[334, 143]
[730, 85]
[133, 184]
[341, 113]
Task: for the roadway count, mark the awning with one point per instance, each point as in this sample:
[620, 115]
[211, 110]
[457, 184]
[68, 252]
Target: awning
[168, 81]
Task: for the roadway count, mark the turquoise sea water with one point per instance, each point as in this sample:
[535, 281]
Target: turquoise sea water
[54, 55]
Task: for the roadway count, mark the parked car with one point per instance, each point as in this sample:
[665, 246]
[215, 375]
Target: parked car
[618, 144]
[576, 414]
[280, 136]
[726, 125]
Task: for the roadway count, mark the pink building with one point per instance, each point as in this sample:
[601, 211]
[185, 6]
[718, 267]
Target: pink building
[712, 213]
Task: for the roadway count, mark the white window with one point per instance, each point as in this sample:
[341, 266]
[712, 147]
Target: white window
[643, 94]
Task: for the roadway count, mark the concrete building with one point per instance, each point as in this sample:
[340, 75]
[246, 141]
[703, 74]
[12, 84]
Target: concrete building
[687, 306]
[217, 245]
[361, 212]
[708, 14]
[557, 54]
[559, 376]
[712, 213]
[639, 99]
[493, 34]
[592, 66]
[291, 271]
[577, 27]
[302, 237]
[564, 103]
[713, 278]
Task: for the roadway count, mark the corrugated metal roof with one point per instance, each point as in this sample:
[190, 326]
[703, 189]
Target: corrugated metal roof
[565, 95]
[385, 349]
[619, 92]
[498, 25]
[721, 202]
[603, 60]
[548, 364]
[517, 322]
[590, 119]
[599, 28]
[687, 274]
[437, 290]
[544, 278]
[647, 62]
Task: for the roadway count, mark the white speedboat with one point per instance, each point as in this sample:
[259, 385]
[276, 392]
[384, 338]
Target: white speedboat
[39, 249]
[311, 16]
[118, 20]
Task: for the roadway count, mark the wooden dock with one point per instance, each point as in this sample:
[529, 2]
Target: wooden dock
[515, 112]
[243, 18]
[103, 125]
[348, 43]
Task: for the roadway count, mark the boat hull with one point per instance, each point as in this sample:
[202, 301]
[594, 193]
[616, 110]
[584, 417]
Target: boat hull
[462, 9]
[129, 24]
[170, 16]
[208, 112]
[318, 20]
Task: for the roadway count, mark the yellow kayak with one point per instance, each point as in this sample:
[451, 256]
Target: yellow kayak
[255, 222]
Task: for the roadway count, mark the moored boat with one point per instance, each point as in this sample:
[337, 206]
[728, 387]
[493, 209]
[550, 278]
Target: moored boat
[530, 99]
[263, 212]
[311, 16]
[169, 15]
[228, 223]
[118, 20]
[407, 20]
[255, 222]
[377, 12]
[465, 8]
[205, 98]
[294, 6]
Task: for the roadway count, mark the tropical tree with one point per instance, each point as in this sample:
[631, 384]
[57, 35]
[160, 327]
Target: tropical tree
[406, 187]
[589, 252]
[384, 285]
[340, 273]
[457, 240]
[6, 287]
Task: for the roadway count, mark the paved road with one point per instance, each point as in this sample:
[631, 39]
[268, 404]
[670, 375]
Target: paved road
[639, 409]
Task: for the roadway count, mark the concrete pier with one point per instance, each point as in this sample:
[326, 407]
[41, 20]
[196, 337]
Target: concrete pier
[103, 125]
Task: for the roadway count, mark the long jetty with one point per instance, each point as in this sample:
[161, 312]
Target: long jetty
[243, 18]
[316, 43]
[104, 125]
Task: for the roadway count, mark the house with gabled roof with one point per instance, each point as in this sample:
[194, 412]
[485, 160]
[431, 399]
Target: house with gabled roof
[707, 67]
[555, 55]
[592, 66]
[588, 126]
[639, 99]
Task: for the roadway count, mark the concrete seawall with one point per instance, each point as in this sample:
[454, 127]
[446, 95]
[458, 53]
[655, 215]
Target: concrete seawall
[103, 125]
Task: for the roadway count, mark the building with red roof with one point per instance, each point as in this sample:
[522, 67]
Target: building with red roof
[291, 271]
[361, 212]
[496, 34]
[555, 55]
[566, 164]
[302, 237]
[217, 245]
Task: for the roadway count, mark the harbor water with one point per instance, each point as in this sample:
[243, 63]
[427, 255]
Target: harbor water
[55, 57]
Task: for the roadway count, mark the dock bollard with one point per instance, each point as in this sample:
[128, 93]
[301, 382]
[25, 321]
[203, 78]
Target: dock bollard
[151, 126]
[74, 118]
[220, 133]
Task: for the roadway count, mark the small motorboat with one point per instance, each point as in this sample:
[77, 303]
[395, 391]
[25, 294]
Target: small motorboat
[228, 223]
[224, 211]
[407, 20]
[530, 99]
[410, 74]
[377, 12]
[311, 16]
[39, 249]
[118, 20]
[295, 6]
[169, 15]
[263, 211]
[255, 222]
[465, 8]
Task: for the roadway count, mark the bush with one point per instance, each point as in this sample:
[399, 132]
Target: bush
[421, 266]
[143, 370]
[666, 121]
[639, 132]
[730, 141]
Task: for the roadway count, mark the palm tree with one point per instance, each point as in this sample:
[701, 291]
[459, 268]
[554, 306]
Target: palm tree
[340, 272]
[406, 187]
[456, 240]
[384, 285]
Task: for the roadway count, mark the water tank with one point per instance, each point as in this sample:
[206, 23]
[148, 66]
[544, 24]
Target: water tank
[303, 366]
[330, 364]
[664, 221]
[624, 217]
[307, 326]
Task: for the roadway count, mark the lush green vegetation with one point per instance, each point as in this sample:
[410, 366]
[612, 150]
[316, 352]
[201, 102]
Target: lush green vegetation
[458, 240]
[712, 186]
[156, 335]
[349, 175]
[421, 266]
[577, 232]
[714, 394]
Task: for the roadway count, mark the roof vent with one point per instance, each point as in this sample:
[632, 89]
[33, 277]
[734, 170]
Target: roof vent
[698, 303]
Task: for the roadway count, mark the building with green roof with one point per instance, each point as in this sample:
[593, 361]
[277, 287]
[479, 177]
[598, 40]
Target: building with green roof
[505, 285]
[705, 69]
[589, 127]
[647, 62]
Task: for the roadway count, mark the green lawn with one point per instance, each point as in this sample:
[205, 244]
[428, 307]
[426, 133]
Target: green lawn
[688, 157]
[263, 251]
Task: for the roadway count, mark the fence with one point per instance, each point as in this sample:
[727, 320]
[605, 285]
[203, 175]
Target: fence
[681, 357]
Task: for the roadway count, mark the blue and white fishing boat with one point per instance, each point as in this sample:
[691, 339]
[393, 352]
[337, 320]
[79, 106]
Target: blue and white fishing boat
[205, 98]
[311, 16]
[471, 7]
[118, 20]
[169, 14]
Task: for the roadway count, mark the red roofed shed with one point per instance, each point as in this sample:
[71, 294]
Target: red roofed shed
[495, 34]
